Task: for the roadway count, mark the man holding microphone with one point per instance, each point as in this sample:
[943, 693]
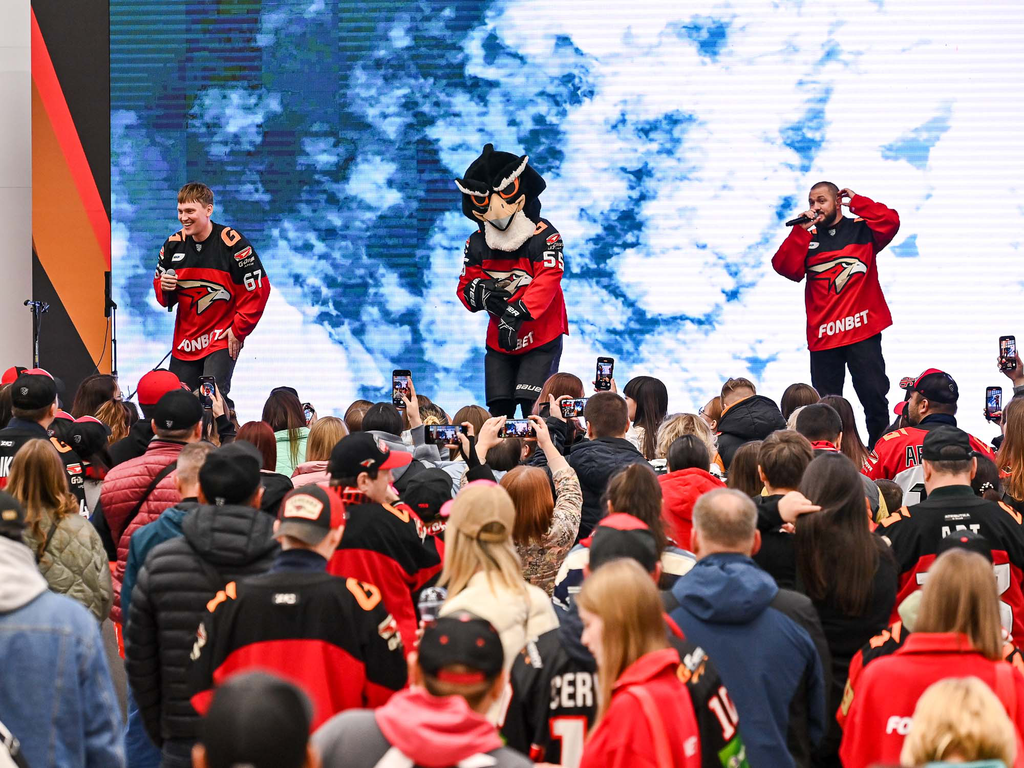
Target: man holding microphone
[215, 277]
[846, 311]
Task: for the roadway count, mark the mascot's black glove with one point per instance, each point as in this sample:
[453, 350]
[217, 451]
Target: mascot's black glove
[484, 294]
[508, 325]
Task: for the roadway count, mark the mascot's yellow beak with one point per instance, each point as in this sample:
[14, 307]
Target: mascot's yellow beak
[499, 213]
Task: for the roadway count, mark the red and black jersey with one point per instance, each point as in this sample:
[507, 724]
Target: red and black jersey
[332, 637]
[843, 297]
[888, 642]
[16, 435]
[533, 273]
[221, 285]
[914, 534]
[897, 457]
[386, 545]
[554, 698]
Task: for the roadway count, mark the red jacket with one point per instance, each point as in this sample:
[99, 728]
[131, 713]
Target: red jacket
[122, 489]
[624, 738]
[532, 273]
[221, 285]
[679, 492]
[844, 300]
[878, 712]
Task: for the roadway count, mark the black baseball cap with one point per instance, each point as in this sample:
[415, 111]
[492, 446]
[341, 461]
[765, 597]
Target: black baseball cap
[362, 451]
[258, 721]
[12, 517]
[465, 639]
[33, 389]
[177, 409]
[88, 435]
[428, 491]
[309, 513]
[934, 384]
[946, 443]
[969, 540]
[231, 473]
[621, 535]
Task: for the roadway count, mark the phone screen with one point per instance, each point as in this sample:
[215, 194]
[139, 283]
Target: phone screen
[1007, 353]
[993, 401]
[603, 380]
[445, 434]
[207, 391]
[517, 428]
[573, 408]
[400, 386]
[308, 412]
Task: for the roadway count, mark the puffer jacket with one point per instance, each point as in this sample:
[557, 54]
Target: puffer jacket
[74, 562]
[595, 461]
[751, 419]
[122, 489]
[169, 600]
[679, 492]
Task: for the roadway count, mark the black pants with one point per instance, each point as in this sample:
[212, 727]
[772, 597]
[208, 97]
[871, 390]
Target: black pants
[511, 380]
[217, 364]
[867, 371]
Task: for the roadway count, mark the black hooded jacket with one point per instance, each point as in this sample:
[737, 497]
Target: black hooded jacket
[218, 545]
[133, 444]
[595, 461]
[752, 419]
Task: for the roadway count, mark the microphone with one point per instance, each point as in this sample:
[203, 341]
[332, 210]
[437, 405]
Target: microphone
[797, 221]
[172, 273]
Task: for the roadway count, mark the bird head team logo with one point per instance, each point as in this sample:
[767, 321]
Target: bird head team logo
[837, 271]
[202, 293]
[500, 194]
[510, 281]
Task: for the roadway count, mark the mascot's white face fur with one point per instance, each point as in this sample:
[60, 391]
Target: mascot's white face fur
[495, 192]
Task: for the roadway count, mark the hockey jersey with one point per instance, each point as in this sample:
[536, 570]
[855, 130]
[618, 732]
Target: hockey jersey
[533, 273]
[331, 637]
[555, 695]
[843, 297]
[914, 534]
[18, 433]
[897, 457]
[887, 643]
[387, 545]
[221, 285]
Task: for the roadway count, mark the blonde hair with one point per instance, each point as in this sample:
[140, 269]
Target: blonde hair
[961, 718]
[1011, 453]
[113, 414]
[960, 596]
[39, 481]
[625, 598]
[678, 424]
[490, 550]
[323, 436]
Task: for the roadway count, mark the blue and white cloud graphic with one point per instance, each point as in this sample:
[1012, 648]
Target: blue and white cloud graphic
[675, 138]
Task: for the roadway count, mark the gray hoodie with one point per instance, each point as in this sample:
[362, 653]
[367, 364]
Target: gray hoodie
[20, 579]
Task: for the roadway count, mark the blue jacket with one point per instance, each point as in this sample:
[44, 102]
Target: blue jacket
[56, 695]
[164, 528]
[761, 638]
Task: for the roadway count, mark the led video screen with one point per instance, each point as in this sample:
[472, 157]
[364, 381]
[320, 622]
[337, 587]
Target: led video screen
[675, 140]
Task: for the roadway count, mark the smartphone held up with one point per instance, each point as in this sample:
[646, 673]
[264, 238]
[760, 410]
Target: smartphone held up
[400, 386]
[1007, 353]
[444, 434]
[520, 428]
[603, 379]
[993, 403]
[207, 391]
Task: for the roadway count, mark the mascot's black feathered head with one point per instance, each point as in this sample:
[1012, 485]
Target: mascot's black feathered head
[499, 185]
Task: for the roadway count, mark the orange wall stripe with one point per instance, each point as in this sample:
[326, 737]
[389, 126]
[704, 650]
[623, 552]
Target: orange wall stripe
[63, 236]
[44, 77]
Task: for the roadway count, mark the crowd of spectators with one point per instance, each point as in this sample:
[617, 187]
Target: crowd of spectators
[750, 584]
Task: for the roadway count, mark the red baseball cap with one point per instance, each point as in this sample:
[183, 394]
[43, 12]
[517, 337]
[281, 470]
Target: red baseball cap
[155, 385]
[11, 374]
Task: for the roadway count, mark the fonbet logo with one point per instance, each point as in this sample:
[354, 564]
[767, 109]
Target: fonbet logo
[897, 724]
[201, 342]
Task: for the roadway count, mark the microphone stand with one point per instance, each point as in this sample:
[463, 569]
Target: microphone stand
[38, 309]
[110, 310]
